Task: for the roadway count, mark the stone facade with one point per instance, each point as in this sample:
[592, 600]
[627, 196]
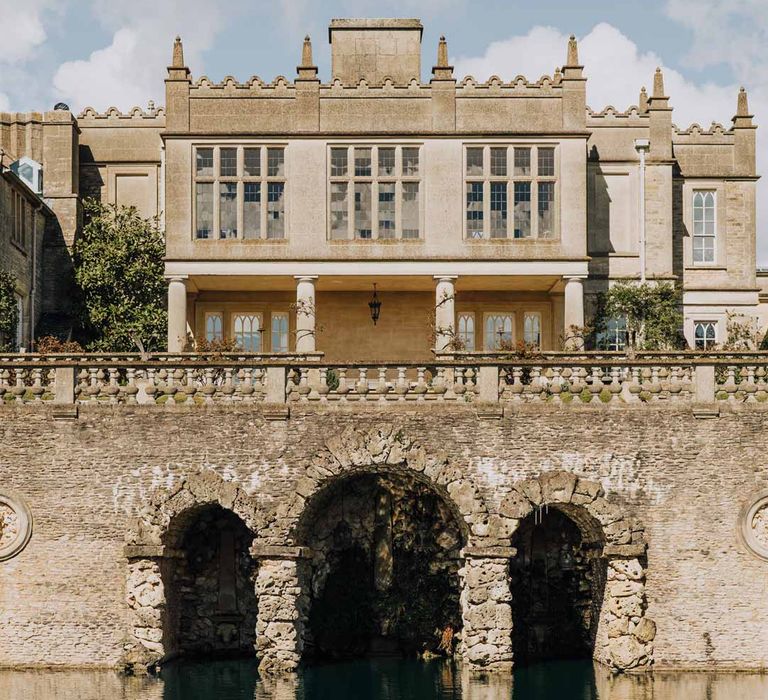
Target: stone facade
[653, 503]
[233, 270]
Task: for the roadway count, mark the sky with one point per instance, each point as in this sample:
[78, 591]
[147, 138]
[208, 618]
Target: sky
[104, 53]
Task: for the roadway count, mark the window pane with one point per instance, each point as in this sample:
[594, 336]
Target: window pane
[498, 331]
[339, 211]
[532, 329]
[386, 162]
[339, 162]
[474, 161]
[362, 207]
[275, 210]
[546, 162]
[251, 210]
[362, 162]
[204, 209]
[410, 212]
[386, 208]
[279, 332]
[213, 327]
[467, 331]
[498, 210]
[704, 335]
[228, 210]
[275, 162]
[247, 332]
[546, 209]
[498, 161]
[204, 162]
[704, 227]
[410, 161]
[474, 209]
[522, 161]
[252, 162]
[522, 209]
[228, 162]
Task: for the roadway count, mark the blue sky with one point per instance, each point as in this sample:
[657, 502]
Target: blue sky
[111, 52]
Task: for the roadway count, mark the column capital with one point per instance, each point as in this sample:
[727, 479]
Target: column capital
[445, 278]
[575, 278]
[305, 278]
[177, 278]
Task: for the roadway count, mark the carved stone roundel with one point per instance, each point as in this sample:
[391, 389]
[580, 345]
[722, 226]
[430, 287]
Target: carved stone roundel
[15, 525]
[754, 525]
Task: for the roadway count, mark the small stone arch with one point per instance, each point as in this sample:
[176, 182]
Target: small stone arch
[384, 448]
[624, 637]
[152, 546]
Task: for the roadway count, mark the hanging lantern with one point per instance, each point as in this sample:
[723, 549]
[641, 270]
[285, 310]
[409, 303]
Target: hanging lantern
[375, 305]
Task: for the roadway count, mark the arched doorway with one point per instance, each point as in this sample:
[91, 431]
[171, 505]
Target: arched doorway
[557, 580]
[211, 604]
[384, 569]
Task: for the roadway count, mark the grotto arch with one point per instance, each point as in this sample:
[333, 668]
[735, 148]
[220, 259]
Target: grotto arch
[189, 586]
[311, 534]
[578, 576]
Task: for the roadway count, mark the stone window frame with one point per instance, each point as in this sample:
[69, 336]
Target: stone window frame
[709, 322]
[264, 180]
[468, 316]
[273, 315]
[690, 187]
[228, 310]
[213, 314]
[536, 315]
[487, 179]
[398, 178]
[21, 220]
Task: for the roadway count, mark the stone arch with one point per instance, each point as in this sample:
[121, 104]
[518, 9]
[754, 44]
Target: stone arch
[485, 609]
[152, 546]
[624, 636]
[384, 448]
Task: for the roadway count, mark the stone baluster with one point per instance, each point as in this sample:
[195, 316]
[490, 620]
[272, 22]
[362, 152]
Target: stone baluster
[615, 386]
[228, 389]
[37, 389]
[130, 389]
[344, 388]
[323, 389]
[421, 388]
[245, 386]
[151, 389]
[401, 387]
[556, 386]
[750, 385]
[382, 388]
[730, 386]
[4, 385]
[459, 388]
[362, 388]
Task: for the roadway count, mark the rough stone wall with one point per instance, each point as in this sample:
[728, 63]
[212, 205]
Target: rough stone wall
[62, 599]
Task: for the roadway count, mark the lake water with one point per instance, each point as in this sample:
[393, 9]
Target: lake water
[380, 680]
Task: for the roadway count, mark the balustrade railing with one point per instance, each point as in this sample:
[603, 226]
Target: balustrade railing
[552, 378]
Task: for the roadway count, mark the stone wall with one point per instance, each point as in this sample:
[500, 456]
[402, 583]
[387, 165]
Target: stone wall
[63, 598]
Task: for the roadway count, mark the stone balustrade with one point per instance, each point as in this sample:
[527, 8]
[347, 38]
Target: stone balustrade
[557, 379]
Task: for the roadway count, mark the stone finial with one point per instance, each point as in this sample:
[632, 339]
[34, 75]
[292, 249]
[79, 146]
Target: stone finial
[442, 70]
[442, 53]
[573, 52]
[658, 83]
[557, 76]
[151, 106]
[306, 53]
[642, 103]
[742, 108]
[178, 54]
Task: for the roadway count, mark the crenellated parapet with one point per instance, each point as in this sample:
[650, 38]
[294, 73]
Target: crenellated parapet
[114, 114]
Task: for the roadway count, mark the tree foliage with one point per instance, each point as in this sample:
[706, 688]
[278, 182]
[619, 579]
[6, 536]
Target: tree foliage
[119, 272]
[9, 311]
[652, 313]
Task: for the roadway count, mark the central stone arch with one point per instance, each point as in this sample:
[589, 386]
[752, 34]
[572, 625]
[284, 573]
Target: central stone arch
[385, 450]
[622, 634]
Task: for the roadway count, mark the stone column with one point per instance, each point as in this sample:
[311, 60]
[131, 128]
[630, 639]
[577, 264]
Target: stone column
[486, 608]
[281, 589]
[574, 311]
[145, 595]
[445, 312]
[305, 313]
[177, 314]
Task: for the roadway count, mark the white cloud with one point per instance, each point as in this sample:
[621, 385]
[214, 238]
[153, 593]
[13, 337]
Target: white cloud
[130, 71]
[23, 29]
[616, 69]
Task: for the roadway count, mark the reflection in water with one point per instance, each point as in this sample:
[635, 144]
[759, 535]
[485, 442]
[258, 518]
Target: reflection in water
[380, 679]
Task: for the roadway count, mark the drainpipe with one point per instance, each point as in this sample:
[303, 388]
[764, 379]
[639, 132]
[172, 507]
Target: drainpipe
[642, 146]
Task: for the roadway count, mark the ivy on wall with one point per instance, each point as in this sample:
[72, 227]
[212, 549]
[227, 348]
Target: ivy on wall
[9, 311]
[118, 263]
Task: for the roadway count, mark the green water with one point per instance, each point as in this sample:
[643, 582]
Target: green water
[380, 680]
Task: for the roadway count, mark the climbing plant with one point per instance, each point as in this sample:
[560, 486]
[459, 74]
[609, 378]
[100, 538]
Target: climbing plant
[652, 313]
[118, 264]
[9, 312]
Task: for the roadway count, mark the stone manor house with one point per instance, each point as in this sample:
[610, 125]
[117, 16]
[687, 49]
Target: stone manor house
[375, 243]
[514, 202]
